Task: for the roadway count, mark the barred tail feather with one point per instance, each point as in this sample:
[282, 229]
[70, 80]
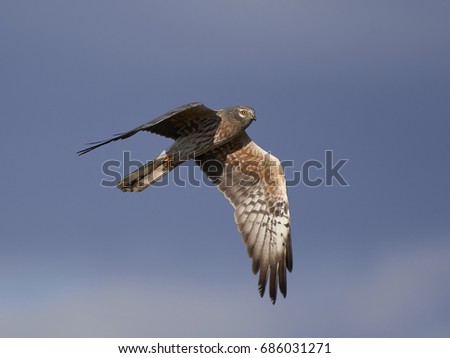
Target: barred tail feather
[147, 174]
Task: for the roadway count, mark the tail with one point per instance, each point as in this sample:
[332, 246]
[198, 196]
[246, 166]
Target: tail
[148, 173]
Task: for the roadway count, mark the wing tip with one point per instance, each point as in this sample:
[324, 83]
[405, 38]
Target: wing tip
[277, 282]
[95, 145]
[84, 151]
[261, 289]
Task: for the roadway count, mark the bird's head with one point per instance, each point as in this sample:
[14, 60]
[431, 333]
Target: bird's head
[244, 114]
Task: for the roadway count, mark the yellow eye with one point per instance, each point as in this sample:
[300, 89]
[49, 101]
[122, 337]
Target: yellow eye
[244, 112]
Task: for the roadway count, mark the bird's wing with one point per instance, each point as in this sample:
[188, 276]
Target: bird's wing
[171, 124]
[253, 181]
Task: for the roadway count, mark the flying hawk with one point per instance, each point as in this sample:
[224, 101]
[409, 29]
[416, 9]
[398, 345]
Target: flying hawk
[250, 178]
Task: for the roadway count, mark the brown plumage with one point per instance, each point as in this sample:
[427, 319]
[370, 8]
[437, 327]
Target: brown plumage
[250, 178]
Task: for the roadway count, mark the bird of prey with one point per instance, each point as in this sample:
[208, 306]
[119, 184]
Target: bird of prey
[250, 178]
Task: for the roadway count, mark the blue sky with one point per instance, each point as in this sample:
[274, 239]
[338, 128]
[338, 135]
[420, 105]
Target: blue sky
[368, 80]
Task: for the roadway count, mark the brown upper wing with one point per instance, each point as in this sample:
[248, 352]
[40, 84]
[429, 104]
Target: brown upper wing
[171, 124]
[253, 181]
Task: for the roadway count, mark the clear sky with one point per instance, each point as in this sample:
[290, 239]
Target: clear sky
[369, 80]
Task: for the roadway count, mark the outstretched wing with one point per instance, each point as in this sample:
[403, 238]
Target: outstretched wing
[253, 181]
[171, 125]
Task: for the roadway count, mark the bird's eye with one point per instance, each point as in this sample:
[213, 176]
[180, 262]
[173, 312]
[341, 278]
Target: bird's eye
[244, 112]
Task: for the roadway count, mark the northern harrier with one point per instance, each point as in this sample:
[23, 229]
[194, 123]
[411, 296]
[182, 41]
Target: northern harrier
[250, 178]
